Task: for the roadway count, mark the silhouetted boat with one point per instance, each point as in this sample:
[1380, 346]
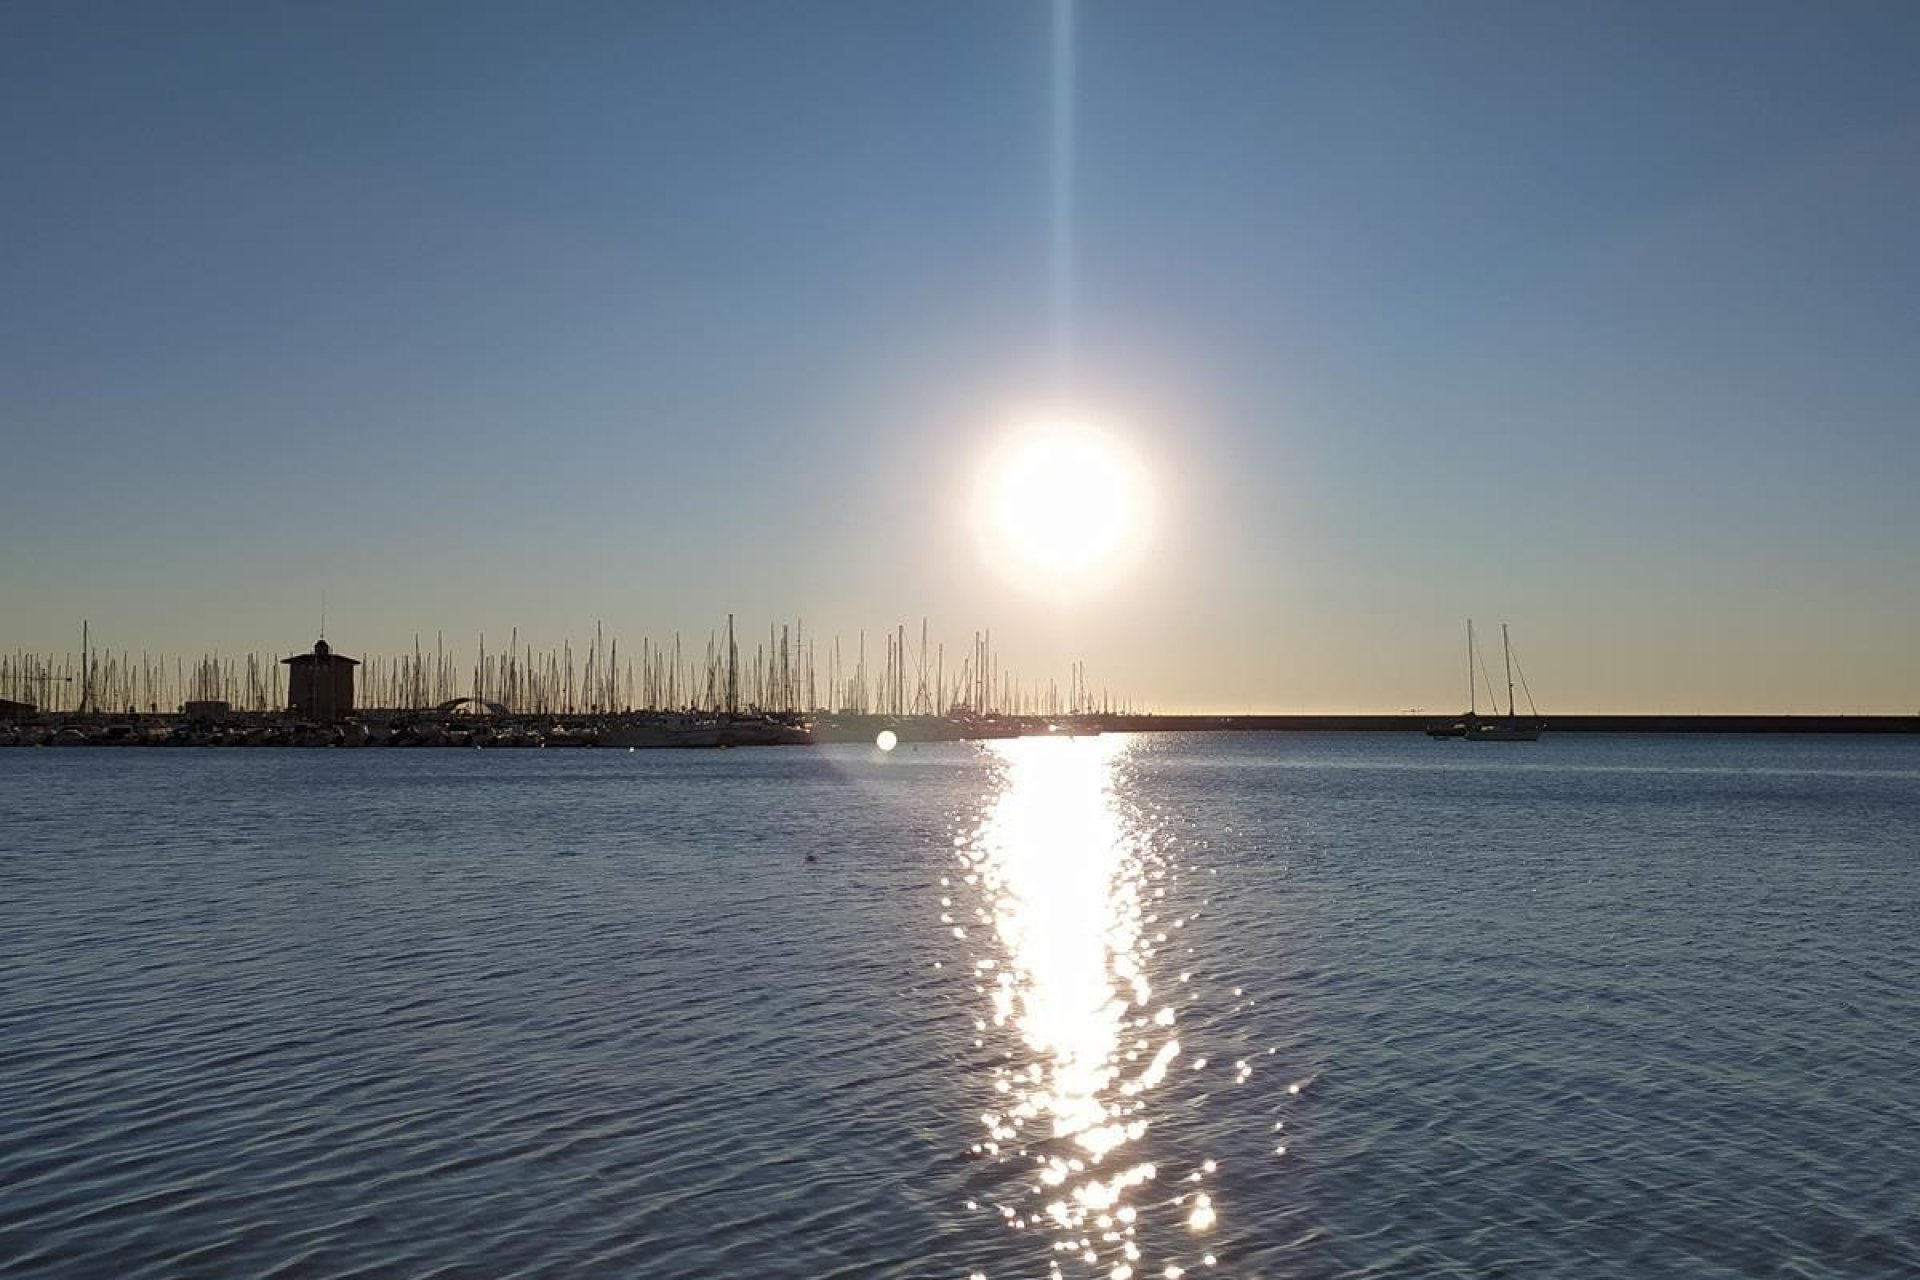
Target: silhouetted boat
[644, 732]
[1494, 728]
[1508, 730]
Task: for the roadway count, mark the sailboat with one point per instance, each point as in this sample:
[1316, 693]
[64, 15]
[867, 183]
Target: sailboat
[1495, 728]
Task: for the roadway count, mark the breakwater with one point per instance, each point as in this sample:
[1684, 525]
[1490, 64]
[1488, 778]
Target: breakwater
[631, 731]
[1627, 723]
[636, 731]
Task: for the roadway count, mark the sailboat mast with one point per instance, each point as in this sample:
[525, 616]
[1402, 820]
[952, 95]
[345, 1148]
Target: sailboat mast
[733, 672]
[1473, 685]
[1507, 650]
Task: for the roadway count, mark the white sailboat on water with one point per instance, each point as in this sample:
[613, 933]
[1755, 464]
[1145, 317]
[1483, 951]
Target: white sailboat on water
[1494, 728]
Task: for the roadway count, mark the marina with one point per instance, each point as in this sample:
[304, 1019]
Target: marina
[786, 690]
[783, 692]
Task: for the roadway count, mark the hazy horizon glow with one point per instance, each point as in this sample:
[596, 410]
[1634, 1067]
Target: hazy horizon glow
[1599, 321]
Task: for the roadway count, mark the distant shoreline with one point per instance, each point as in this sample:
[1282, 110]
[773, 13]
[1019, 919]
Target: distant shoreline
[645, 730]
[1403, 723]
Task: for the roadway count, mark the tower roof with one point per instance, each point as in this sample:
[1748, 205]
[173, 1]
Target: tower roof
[322, 652]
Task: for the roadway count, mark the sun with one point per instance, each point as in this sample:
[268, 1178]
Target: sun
[1063, 508]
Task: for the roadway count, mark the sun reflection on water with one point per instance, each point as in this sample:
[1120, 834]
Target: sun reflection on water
[1068, 887]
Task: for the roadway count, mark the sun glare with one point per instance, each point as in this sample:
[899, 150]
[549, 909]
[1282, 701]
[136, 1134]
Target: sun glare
[1072, 884]
[1063, 509]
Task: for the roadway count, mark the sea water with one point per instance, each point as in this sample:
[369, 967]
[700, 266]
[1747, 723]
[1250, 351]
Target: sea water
[1248, 1005]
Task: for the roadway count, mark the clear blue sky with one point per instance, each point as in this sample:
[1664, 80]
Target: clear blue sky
[1602, 318]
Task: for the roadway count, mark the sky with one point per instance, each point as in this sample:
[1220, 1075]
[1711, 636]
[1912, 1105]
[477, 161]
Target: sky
[1600, 319]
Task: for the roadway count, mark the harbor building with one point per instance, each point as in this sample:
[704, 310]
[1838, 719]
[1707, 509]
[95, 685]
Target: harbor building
[320, 684]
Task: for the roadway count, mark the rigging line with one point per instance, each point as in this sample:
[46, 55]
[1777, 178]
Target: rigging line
[1491, 694]
[1531, 709]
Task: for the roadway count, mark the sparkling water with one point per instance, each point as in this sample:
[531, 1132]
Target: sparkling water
[1250, 1005]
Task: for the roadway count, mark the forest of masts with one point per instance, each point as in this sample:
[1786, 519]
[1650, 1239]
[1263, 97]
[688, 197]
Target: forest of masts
[780, 676]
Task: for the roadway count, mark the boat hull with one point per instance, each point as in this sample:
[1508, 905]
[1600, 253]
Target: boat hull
[1504, 733]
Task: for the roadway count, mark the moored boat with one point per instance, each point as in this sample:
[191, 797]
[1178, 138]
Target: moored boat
[1473, 726]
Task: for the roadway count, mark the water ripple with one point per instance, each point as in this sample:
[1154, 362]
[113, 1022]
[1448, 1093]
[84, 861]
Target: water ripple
[1607, 1009]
